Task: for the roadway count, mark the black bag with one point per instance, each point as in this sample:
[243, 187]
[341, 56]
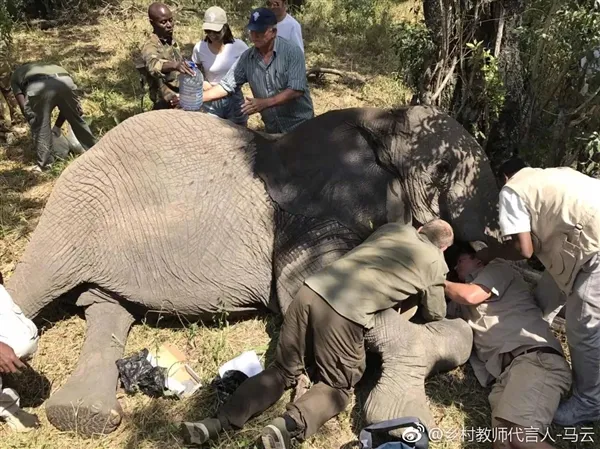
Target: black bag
[415, 438]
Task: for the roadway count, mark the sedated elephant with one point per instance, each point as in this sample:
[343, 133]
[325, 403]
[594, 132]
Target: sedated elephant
[186, 213]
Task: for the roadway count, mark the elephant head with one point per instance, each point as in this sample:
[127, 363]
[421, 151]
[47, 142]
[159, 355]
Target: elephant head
[368, 166]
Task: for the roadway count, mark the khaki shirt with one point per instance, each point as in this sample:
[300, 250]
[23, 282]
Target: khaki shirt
[508, 323]
[162, 86]
[564, 209]
[393, 264]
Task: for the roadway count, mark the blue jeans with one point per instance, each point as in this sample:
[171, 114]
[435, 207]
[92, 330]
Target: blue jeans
[228, 108]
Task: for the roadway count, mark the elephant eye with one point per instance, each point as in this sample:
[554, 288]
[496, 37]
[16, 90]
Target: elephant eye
[443, 167]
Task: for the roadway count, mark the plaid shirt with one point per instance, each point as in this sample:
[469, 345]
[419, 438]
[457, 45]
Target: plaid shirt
[286, 70]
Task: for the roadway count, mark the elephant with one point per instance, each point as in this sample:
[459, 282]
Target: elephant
[185, 213]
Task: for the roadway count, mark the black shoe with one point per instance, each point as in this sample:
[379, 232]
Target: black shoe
[200, 432]
[276, 435]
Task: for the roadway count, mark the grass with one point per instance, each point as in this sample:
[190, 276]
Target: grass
[98, 54]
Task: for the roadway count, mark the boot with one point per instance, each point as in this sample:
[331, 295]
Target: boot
[197, 433]
[574, 411]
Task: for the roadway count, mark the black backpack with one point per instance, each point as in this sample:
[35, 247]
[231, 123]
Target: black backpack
[414, 437]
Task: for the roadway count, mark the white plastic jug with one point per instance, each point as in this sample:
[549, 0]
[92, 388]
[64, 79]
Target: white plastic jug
[191, 89]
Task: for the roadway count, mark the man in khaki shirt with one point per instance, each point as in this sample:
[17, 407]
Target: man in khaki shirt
[514, 346]
[554, 213]
[162, 59]
[325, 325]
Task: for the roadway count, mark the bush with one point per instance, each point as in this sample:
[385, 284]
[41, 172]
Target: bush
[413, 47]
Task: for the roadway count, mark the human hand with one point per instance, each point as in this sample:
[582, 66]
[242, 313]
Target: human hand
[183, 67]
[206, 85]
[174, 101]
[254, 105]
[9, 362]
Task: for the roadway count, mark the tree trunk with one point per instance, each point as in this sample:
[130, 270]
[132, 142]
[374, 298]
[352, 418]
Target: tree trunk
[507, 131]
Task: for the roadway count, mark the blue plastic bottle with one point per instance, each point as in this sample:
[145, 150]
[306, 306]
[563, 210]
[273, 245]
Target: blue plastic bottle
[191, 89]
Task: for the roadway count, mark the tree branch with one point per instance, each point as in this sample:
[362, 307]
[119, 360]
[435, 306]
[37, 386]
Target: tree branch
[446, 79]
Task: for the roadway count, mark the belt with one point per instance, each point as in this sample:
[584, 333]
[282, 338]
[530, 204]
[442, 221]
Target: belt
[542, 349]
[34, 78]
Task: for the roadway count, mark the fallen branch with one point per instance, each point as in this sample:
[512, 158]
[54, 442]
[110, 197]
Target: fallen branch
[315, 71]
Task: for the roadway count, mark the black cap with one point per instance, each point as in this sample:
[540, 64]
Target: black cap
[261, 19]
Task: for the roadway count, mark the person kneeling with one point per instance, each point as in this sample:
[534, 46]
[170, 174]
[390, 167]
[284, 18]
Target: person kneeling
[18, 340]
[325, 324]
[514, 346]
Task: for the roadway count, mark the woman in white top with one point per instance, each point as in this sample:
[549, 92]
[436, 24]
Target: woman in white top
[215, 55]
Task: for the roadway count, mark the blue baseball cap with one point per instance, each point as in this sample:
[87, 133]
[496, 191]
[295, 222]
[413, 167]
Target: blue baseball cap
[260, 19]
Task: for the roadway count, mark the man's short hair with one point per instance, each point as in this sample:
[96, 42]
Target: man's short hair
[439, 232]
[466, 249]
[512, 166]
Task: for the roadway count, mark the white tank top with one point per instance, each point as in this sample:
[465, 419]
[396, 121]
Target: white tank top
[216, 66]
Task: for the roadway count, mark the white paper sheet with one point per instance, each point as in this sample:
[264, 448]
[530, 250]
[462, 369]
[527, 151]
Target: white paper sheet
[247, 362]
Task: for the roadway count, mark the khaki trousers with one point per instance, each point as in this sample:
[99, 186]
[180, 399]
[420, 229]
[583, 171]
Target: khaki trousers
[331, 344]
[583, 334]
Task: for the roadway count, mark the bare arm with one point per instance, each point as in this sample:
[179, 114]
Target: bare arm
[21, 102]
[214, 93]
[467, 294]
[519, 247]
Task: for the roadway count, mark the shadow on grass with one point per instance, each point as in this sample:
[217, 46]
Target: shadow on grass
[38, 386]
[459, 389]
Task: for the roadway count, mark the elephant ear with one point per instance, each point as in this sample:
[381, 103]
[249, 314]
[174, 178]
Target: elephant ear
[335, 166]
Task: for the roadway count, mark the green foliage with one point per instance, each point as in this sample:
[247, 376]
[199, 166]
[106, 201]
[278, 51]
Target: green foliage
[6, 20]
[492, 88]
[589, 163]
[555, 36]
[363, 26]
[413, 47]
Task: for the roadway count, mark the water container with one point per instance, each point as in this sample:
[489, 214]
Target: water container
[191, 89]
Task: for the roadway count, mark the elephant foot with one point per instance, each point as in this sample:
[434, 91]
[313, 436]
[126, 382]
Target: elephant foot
[87, 403]
[72, 408]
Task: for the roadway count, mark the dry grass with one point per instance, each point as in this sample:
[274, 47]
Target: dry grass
[98, 56]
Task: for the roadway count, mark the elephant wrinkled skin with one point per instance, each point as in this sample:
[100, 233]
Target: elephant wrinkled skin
[185, 213]
[409, 354]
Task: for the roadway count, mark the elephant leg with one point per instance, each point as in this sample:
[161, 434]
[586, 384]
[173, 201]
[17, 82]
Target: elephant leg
[409, 354]
[87, 403]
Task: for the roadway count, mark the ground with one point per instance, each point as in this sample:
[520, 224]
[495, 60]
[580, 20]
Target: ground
[99, 56]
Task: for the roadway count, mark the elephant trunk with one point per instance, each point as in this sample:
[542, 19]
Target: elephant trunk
[409, 354]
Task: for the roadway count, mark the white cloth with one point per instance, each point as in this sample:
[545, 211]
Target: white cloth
[9, 401]
[513, 216]
[16, 330]
[290, 29]
[21, 335]
[216, 66]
